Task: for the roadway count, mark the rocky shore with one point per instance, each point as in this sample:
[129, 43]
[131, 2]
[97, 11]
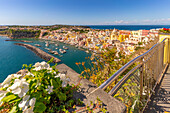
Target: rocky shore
[20, 41]
[39, 52]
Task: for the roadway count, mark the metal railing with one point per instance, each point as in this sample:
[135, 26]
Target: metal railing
[139, 83]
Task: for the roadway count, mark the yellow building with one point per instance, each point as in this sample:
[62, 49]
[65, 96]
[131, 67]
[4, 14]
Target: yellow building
[122, 38]
[162, 36]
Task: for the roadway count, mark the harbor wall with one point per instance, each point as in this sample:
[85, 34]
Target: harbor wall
[39, 52]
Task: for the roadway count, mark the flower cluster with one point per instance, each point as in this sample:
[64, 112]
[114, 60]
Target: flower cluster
[35, 91]
[166, 29]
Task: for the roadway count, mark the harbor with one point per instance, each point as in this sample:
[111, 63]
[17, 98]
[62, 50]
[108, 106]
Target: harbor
[15, 56]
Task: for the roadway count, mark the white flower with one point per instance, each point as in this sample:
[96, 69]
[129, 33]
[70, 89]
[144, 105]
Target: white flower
[38, 68]
[62, 76]
[30, 74]
[19, 87]
[63, 79]
[37, 64]
[2, 95]
[32, 102]
[24, 103]
[65, 82]
[43, 65]
[7, 81]
[50, 89]
[29, 110]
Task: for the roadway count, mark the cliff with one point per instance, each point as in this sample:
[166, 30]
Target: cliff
[3, 32]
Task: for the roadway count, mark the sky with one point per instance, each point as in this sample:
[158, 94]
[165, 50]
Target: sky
[85, 12]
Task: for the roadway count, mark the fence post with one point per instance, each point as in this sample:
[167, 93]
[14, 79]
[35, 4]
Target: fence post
[141, 81]
[168, 49]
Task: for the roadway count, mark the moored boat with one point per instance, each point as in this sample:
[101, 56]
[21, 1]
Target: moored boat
[62, 51]
[64, 47]
[47, 44]
[37, 45]
[56, 45]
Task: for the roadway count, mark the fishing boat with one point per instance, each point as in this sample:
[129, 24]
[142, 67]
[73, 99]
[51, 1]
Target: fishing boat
[64, 47]
[56, 45]
[37, 45]
[56, 48]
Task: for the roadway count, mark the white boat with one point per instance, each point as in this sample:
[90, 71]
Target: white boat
[46, 44]
[56, 53]
[56, 45]
[56, 48]
[62, 51]
[37, 45]
[47, 48]
[52, 52]
[64, 47]
[87, 51]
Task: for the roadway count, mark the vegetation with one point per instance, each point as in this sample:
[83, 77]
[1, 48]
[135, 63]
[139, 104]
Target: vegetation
[41, 89]
[80, 31]
[105, 64]
[23, 33]
[3, 31]
[45, 34]
[165, 30]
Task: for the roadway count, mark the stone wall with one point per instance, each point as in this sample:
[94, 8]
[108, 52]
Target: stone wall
[89, 92]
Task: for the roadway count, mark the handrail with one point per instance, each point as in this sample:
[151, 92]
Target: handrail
[122, 69]
[119, 84]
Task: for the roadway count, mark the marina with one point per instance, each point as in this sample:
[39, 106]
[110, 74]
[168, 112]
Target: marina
[15, 56]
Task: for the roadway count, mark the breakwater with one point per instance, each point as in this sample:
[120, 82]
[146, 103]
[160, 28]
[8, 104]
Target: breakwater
[20, 41]
[39, 52]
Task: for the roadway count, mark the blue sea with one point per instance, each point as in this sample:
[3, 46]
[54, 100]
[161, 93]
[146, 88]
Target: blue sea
[12, 57]
[128, 27]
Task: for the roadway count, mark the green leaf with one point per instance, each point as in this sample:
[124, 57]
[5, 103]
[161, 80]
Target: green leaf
[50, 61]
[9, 98]
[13, 110]
[16, 100]
[39, 107]
[62, 96]
[54, 83]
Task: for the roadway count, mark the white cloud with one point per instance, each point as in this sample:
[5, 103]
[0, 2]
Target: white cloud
[141, 22]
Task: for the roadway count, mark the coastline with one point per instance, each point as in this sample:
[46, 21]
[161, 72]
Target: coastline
[42, 54]
[20, 41]
[4, 35]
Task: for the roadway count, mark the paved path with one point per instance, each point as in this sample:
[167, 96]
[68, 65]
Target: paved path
[161, 101]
